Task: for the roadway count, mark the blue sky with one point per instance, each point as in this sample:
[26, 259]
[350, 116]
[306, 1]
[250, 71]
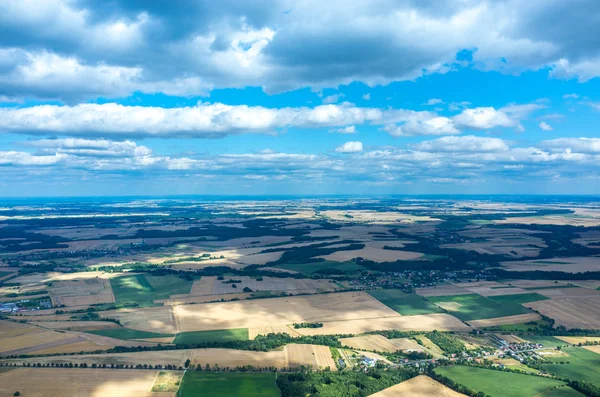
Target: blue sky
[380, 97]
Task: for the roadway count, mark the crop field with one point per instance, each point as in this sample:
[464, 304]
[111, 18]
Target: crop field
[571, 313]
[423, 322]
[142, 290]
[167, 381]
[126, 333]
[226, 384]
[582, 365]
[568, 265]
[380, 343]
[279, 311]
[516, 243]
[212, 286]
[77, 325]
[318, 357]
[195, 337]
[505, 384]
[420, 386]
[569, 293]
[403, 303]
[314, 266]
[285, 329]
[289, 356]
[372, 254]
[159, 320]
[518, 299]
[519, 320]
[75, 382]
[442, 290]
[579, 339]
[476, 307]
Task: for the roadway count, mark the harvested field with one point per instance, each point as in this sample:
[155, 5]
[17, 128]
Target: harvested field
[568, 265]
[75, 382]
[511, 338]
[516, 243]
[77, 325]
[421, 386]
[568, 293]
[425, 322]
[442, 290]
[431, 347]
[317, 356]
[211, 286]
[184, 300]
[380, 343]
[159, 320]
[571, 313]
[517, 319]
[42, 278]
[492, 288]
[291, 355]
[167, 381]
[81, 292]
[578, 339]
[284, 329]
[595, 349]
[279, 311]
[533, 284]
[372, 254]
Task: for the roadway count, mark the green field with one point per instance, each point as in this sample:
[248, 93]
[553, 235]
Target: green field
[582, 365]
[403, 303]
[126, 333]
[519, 298]
[143, 289]
[222, 335]
[547, 341]
[505, 384]
[311, 267]
[534, 326]
[227, 384]
[476, 307]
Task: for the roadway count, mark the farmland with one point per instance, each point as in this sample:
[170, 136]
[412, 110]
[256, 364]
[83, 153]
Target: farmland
[404, 304]
[344, 278]
[476, 307]
[505, 384]
[228, 384]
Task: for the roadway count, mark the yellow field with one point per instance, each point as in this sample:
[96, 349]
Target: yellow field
[316, 356]
[519, 318]
[431, 347]
[280, 311]
[424, 322]
[289, 356]
[578, 339]
[76, 325]
[571, 313]
[152, 319]
[380, 343]
[167, 381]
[211, 286]
[81, 292]
[595, 349]
[75, 382]
[421, 386]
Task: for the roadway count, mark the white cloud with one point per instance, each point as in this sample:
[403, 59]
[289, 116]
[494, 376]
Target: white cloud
[350, 129]
[366, 97]
[432, 126]
[570, 96]
[350, 147]
[433, 101]
[467, 143]
[333, 98]
[483, 118]
[545, 126]
[581, 145]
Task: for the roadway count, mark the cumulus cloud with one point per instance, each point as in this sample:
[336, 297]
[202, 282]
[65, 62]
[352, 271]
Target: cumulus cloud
[545, 126]
[346, 130]
[280, 45]
[581, 145]
[433, 101]
[432, 126]
[350, 147]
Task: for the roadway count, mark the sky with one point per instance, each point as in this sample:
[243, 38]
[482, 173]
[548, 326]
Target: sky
[299, 97]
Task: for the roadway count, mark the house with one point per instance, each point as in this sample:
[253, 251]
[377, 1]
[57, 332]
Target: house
[369, 362]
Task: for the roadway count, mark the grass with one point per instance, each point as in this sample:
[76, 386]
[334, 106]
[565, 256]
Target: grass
[311, 267]
[223, 335]
[547, 341]
[553, 287]
[226, 384]
[127, 334]
[143, 289]
[403, 303]
[505, 384]
[518, 299]
[476, 307]
[582, 365]
[530, 326]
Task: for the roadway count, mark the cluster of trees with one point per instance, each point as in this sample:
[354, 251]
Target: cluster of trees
[585, 388]
[344, 383]
[446, 342]
[308, 325]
